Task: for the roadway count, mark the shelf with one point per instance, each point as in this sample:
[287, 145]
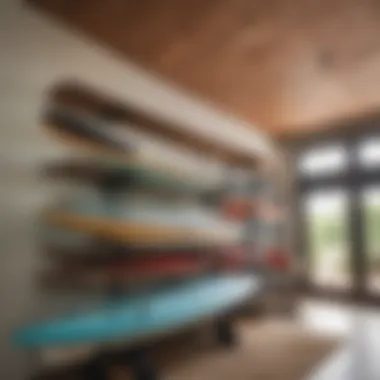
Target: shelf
[124, 238]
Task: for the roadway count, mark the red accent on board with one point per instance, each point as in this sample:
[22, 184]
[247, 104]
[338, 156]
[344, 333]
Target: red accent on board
[278, 259]
[151, 266]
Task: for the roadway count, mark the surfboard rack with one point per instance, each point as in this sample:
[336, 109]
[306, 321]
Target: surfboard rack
[225, 332]
[111, 181]
[140, 360]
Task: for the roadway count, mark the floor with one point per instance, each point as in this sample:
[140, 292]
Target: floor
[359, 328]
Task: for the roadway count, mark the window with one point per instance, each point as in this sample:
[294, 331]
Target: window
[328, 238]
[369, 152]
[341, 240]
[323, 161]
[371, 213]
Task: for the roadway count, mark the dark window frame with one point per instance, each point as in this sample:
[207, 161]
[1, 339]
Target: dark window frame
[354, 179]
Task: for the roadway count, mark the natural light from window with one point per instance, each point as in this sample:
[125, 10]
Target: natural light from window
[321, 161]
[369, 152]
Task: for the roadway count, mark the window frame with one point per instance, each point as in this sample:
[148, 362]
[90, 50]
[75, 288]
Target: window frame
[355, 179]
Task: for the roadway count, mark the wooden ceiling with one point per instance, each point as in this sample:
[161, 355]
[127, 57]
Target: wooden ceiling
[287, 65]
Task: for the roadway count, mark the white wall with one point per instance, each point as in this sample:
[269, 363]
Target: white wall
[35, 53]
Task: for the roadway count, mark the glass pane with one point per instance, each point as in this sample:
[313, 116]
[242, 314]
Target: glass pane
[371, 208]
[328, 244]
[369, 152]
[324, 160]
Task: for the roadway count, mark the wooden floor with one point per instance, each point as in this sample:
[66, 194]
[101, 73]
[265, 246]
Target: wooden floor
[359, 356]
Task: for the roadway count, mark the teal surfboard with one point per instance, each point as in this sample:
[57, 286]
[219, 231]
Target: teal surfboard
[138, 316]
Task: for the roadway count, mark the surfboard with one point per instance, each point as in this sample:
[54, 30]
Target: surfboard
[119, 149]
[141, 315]
[150, 266]
[83, 130]
[138, 221]
[233, 258]
[131, 174]
[130, 272]
[239, 207]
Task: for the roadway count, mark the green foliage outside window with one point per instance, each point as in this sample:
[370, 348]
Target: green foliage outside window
[328, 234]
